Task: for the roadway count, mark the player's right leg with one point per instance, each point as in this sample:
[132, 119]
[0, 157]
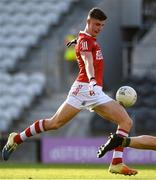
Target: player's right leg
[117, 114]
[63, 115]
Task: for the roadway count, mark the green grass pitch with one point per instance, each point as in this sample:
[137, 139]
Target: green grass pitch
[83, 171]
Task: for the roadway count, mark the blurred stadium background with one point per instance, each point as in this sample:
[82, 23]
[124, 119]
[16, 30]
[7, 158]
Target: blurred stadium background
[35, 78]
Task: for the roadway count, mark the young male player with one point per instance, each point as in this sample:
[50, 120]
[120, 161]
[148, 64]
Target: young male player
[85, 93]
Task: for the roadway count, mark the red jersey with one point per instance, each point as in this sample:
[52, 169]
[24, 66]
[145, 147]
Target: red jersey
[87, 43]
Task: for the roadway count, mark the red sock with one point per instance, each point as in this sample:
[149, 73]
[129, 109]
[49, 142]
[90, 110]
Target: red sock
[118, 152]
[36, 128]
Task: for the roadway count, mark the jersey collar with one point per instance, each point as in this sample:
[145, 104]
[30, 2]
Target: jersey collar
[83, 32]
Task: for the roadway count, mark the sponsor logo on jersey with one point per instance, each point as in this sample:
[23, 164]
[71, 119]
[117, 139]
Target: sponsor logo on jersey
[99, 55]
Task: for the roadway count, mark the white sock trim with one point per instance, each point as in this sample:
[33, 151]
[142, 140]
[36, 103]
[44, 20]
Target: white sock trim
[32, 129]
[117, 154]
[23, 136]
[122, 133]
[41, 125]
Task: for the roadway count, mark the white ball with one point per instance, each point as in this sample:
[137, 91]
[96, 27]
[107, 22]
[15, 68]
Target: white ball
[126, 96]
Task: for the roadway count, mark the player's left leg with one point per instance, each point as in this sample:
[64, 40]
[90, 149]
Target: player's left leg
[117, 114]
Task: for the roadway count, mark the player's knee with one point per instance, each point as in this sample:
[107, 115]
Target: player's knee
[126, 124]
[129, 123]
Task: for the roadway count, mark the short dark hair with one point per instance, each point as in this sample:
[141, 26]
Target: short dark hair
[97, 13]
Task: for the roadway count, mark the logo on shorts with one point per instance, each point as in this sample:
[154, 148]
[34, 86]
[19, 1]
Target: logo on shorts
[76, 91]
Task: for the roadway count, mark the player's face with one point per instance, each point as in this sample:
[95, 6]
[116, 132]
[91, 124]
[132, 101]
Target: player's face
[95, 26]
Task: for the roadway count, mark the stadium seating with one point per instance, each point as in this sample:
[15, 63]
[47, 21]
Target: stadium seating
[144, 110]
[17, 93]
[23, 23]
[143, 56]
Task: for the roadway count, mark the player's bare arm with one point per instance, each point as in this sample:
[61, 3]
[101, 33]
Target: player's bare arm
[87, 58]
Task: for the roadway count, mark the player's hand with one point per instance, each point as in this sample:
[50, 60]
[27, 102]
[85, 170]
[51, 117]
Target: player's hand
[73, 42]
[92, 84]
